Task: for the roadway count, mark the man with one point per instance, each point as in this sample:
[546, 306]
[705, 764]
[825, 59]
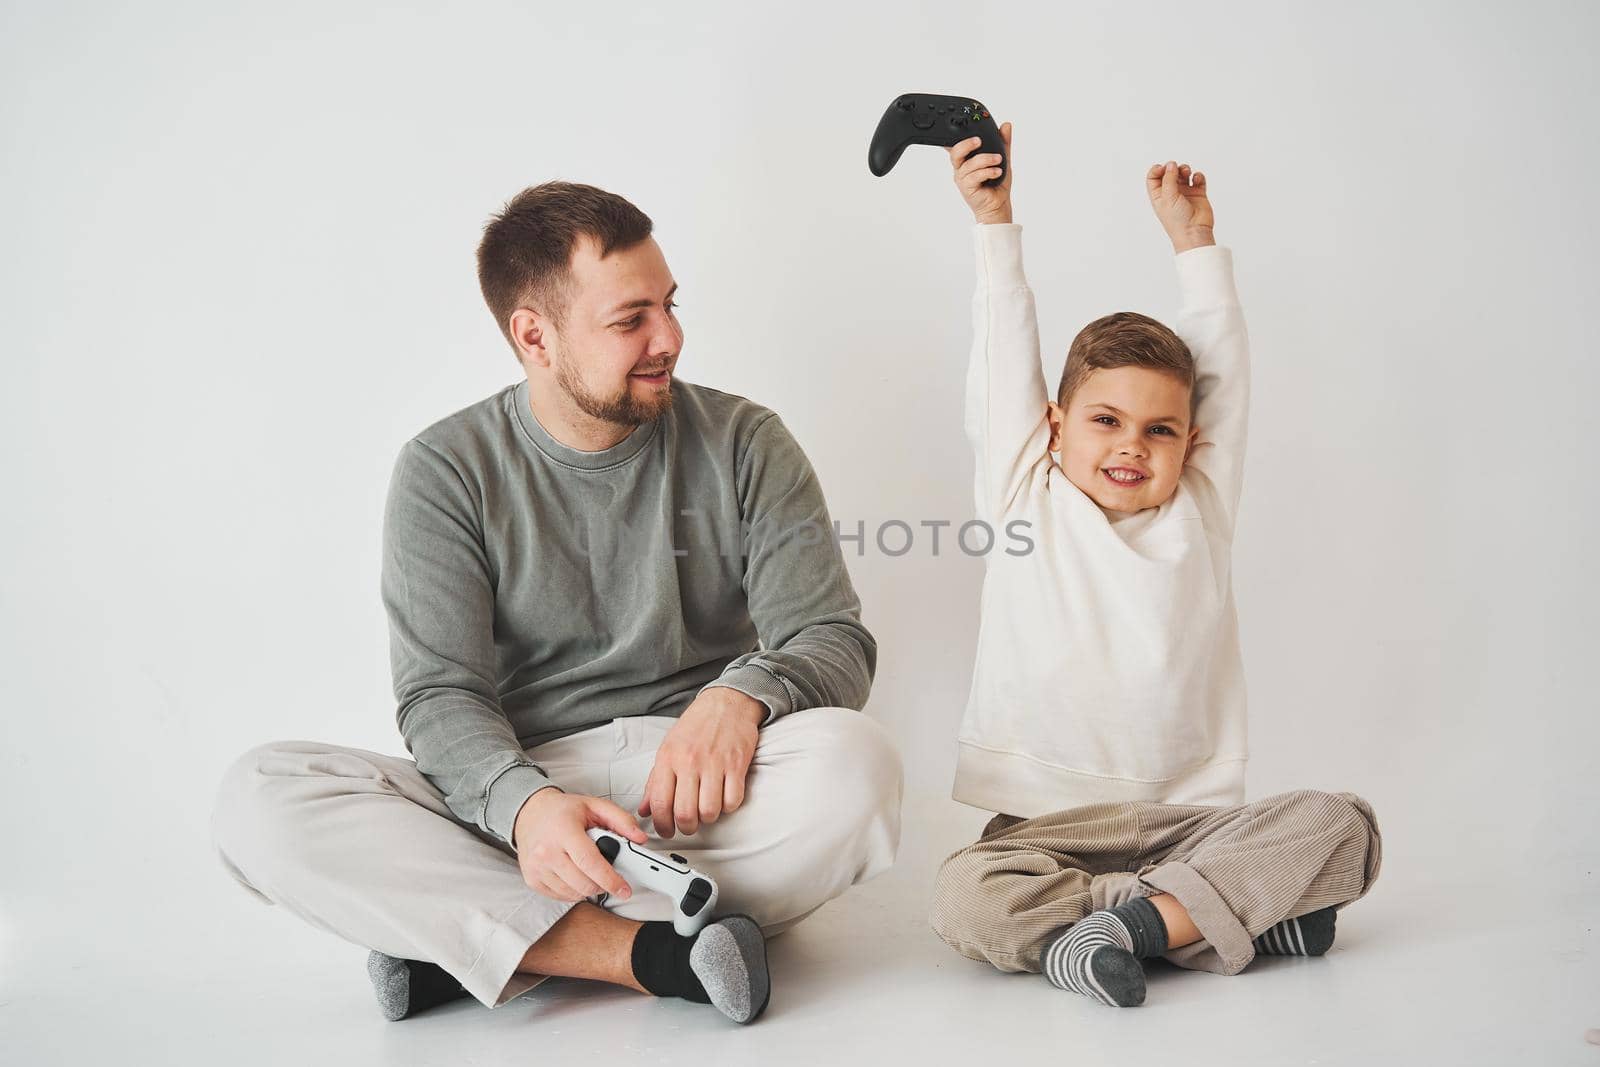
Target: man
[611, 594]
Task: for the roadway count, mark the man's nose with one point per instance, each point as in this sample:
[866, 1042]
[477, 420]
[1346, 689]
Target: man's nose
[667, 338]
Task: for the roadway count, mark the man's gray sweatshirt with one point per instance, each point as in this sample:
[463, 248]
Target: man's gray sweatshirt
[534, 590]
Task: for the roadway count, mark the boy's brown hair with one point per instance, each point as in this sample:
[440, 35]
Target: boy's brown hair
[1124, 339]
[526, 251]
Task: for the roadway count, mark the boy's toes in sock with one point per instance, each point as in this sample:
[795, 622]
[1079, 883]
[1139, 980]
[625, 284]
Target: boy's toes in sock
[1305, 935]
[1114, 977]
[405, 987]
[730, 959]
[1099, 955]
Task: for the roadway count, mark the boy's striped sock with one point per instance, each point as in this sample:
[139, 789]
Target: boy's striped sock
[1099, 955]
[1306, 935]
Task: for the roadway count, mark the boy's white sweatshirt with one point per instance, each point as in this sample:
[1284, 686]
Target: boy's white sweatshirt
[1108, 664]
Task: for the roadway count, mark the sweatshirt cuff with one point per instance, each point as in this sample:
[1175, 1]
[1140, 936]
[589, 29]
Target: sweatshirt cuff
[999, 246]
[760, 684]
[507, 792]
[1205, 276]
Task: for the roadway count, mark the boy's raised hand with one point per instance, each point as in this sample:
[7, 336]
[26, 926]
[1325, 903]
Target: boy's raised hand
[989, 203]
[1178, 195]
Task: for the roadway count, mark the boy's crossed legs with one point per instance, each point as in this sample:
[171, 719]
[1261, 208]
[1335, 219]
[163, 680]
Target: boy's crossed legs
[1207, 887]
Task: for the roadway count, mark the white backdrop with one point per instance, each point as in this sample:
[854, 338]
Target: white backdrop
[238, 274]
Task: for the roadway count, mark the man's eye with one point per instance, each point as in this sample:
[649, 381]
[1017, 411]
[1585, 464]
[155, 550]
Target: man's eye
[628, 324]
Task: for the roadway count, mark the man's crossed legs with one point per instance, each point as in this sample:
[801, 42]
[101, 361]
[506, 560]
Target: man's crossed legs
[362, 845]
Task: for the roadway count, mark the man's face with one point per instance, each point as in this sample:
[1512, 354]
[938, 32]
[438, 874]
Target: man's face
[1124, 437]
[619, 338]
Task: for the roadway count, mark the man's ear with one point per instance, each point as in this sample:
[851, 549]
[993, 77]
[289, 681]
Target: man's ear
[529, 332]
[1054, 413]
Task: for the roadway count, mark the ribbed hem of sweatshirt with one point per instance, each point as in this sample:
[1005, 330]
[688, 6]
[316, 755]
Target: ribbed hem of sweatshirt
[1015, 784]
[1205, 277]
[999, 247]
[507, 792]
[759, 684]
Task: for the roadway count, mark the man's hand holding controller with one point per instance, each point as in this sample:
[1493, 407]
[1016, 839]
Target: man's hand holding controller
[698, 776]
[989, 203]
[555, 852]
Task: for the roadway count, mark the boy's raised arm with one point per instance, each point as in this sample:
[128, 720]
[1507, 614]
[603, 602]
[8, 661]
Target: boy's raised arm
[1211, 323]
[1006, 399]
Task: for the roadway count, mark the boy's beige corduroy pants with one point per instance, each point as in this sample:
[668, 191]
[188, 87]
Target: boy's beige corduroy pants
[362, 845]
[1238, 870]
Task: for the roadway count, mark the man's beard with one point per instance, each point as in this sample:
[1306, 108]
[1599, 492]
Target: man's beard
[621, 409]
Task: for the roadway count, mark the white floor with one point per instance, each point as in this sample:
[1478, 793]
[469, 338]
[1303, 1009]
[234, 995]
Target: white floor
[1439, 964]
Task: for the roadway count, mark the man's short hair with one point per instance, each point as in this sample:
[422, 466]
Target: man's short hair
[525, 257]
[1124, 339]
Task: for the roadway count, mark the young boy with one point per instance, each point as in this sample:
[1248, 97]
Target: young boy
[1106, 723]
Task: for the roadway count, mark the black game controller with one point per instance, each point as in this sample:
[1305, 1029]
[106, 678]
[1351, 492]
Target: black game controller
[922, 118]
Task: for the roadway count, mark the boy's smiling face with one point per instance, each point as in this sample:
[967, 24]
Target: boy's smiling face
[1124, 436]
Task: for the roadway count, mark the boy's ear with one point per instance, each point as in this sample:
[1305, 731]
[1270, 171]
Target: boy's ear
[1188, 447]
[1053, 413]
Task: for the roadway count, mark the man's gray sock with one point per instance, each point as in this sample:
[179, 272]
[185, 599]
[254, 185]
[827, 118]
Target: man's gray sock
[405, 987]
[730, 959]
[1306, 935]
[1099, 955]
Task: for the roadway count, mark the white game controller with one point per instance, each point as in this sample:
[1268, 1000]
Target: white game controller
[693, 895]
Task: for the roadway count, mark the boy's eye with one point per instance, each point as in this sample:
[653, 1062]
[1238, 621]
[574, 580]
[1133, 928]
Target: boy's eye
[1104, 420]
[1161, 429]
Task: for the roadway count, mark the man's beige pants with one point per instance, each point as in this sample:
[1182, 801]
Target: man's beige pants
[1237, 870]
[362, 845]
